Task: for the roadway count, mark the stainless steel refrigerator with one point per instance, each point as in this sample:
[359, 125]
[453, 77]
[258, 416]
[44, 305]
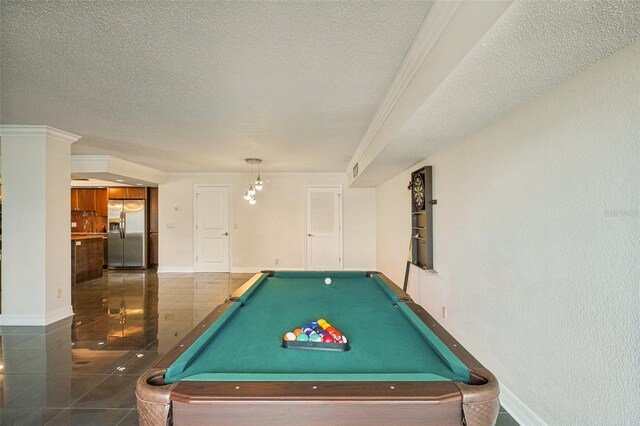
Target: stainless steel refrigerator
[127, 227]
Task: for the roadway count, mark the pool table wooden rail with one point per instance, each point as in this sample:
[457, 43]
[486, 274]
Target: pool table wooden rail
[354, 403]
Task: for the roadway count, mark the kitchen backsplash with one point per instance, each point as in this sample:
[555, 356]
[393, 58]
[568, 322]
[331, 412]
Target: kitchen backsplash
[88, 222]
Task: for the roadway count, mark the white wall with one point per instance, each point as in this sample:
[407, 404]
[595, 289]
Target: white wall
[57, 199]
[537, 247]
[272, 228]
[36, 275]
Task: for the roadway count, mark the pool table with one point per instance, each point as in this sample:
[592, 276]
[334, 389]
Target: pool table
[402, 367]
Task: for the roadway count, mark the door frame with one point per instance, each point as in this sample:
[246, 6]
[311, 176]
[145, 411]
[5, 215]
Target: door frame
[340, 222]
[194, 219]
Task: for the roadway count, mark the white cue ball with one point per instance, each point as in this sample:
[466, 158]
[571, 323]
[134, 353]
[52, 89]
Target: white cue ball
[327, 281]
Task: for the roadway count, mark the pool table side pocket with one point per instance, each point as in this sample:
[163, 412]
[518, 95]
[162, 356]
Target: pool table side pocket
[395, 292]
[245, 290]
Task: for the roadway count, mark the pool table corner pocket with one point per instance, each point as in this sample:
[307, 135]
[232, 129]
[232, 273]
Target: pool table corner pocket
[480, 398]
[153, 398]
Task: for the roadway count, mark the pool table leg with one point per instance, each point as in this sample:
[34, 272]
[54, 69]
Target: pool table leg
[154, 398]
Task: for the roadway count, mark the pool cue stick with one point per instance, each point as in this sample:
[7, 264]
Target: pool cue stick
[406, 270]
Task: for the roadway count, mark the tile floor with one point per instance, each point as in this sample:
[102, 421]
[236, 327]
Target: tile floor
[82, 371]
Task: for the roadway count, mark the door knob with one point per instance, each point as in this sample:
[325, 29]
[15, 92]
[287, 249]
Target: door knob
[226, 233]
[309, 235]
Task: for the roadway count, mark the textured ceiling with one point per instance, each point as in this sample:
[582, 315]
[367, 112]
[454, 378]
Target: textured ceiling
[533, 46]
[199, 86]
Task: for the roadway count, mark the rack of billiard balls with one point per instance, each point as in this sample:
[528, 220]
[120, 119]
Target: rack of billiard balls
[318, 335]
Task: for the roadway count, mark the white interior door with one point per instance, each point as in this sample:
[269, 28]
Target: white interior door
[324, 228]
[211, 229]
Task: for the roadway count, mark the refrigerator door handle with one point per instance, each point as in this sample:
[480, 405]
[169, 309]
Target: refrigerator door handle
[123, 224]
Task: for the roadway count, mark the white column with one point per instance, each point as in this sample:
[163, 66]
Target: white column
[36, 244]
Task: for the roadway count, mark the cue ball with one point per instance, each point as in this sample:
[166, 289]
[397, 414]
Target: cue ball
[327, 281]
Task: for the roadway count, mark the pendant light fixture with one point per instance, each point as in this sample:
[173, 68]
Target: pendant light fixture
[254, 185]
[258, 183]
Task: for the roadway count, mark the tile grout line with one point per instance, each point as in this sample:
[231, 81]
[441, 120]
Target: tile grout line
[77, 399]
[126, 415]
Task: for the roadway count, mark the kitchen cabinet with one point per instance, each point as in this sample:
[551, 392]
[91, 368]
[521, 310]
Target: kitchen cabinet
[83, 199]
[152, 255]
[136, 192]
[89, 200]
[86, 200]
[117, 193]
[74, 199]
[101, 202]
[127, 193]
[86, 258]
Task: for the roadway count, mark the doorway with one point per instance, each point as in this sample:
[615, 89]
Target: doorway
[324, 228]
[211, 229]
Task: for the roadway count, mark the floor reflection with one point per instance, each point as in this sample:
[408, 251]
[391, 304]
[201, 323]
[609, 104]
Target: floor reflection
[83, 370]
[120, 312]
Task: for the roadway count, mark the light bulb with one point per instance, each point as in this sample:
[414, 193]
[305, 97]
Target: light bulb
[247, 196]
[258, 183]
[252, 201]
[251, 190]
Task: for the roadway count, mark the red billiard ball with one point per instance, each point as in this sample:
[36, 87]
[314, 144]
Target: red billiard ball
[327, 339]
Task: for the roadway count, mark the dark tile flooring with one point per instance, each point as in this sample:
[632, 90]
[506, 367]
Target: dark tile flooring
[82, 371]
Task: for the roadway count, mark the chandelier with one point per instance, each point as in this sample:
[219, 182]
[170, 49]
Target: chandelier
[254, 185]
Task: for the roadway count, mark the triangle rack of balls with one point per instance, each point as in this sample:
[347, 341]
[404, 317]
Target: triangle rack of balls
[317, 335]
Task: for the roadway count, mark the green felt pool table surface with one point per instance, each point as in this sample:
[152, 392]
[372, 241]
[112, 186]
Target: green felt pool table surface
[402, 368]
[388, 342]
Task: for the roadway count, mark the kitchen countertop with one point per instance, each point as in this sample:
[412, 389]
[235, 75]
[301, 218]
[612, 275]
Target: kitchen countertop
[85, 236]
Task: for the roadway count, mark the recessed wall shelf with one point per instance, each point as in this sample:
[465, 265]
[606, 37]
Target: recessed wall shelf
[422, 203]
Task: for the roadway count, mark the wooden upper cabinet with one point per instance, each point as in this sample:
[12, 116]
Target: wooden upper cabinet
[153, 210]
[127, 193]
[74, 199]
[86, 199]
[101, 202]
[83, 199]
[89, 200]
[117, 192]
[139, 192]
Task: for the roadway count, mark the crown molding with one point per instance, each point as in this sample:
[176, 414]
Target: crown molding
[31, 130]
[263, 173]
[437, 19]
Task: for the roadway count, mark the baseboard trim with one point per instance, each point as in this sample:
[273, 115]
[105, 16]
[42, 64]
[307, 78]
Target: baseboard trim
[255, 269]
[371, 268]
[28, 320]
[518, 409]
[36, 320]
[244, 269]
[59, 314]
[174, 269]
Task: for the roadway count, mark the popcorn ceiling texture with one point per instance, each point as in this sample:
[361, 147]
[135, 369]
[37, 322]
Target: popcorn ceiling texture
[533, 46]
[198, 86]
[184, 86]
